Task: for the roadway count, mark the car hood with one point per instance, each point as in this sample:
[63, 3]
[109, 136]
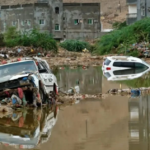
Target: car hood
[13, 77]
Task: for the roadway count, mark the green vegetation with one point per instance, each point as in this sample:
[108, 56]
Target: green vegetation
[119, 40]
[137, 83]
[75, 45]
[119, 25]
[34, 38]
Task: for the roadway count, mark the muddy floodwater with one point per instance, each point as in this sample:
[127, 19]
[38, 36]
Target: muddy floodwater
[113, 123]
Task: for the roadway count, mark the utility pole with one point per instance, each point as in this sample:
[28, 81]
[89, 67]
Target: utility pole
[138, 9]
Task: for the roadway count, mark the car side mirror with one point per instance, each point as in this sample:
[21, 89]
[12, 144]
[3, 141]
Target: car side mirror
[42, 71]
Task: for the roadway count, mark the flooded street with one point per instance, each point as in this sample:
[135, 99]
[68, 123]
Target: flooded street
[113, 123]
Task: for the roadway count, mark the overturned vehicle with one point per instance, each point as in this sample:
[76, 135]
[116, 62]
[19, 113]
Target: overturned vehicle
[26, 81]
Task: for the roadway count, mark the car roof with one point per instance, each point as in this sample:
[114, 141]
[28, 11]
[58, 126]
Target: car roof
[17, 60]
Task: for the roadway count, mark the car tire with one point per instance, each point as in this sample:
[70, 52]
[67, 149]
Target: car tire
[43, 96]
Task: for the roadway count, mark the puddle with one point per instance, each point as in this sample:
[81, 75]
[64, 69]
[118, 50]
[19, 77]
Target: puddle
[114, 123]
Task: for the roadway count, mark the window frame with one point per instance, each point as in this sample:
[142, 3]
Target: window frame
[28, 22]
[58, 27]
[76, 23]
[13, 23]
[92, 21]
[57, 11]
[40, 21]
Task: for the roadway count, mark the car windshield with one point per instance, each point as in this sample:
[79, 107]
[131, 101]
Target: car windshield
[17, 68]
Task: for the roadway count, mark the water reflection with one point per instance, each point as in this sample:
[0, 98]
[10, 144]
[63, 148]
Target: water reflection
[90, 78]
[27, 128]
[139, 123]
[124, 68]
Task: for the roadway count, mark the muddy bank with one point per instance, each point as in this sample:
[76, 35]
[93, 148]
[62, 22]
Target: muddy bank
[62, 58]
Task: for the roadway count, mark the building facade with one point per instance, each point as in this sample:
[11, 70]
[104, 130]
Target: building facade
[81, 20]
[62, 20]
[137, 10]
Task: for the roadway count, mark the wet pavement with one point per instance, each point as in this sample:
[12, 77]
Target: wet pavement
[113, 123]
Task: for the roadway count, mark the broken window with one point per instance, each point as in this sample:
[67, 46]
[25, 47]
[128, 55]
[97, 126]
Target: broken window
[14, 23]
[90, 21]
[57, 27]
[41, 21]
[76, 21]
[57, 10]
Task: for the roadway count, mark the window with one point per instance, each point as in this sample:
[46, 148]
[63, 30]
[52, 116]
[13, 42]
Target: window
[124, 72]
[76, 21]
[107, 62]
[57, 10]
[57, 27]
[124, 64]
[90, 21]
[14, 23]
[41, 21]
[4, 24]
[143, 12]
[28, 22]
[64, 18]
[107, 75]
[22, 23]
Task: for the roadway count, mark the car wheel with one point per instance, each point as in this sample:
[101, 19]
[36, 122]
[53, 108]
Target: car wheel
[43, 97]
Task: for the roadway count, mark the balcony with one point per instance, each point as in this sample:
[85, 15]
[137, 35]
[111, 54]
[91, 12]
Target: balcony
[131, 18]
[131, 1]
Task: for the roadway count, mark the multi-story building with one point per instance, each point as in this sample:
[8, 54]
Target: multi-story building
[63, 20]
[137, 10]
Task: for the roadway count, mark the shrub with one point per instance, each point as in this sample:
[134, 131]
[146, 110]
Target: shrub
[32, 38]
[133, 53]
[2, 40]
[135, 33]
[75, 45]
[119, 25]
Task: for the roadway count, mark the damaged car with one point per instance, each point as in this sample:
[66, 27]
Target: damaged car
[26, 81]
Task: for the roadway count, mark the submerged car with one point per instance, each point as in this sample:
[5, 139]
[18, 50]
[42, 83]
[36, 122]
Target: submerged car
[124, 68]
[28, 75]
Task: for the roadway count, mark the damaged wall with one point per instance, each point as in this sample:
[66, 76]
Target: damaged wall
[55, 17]
[42, 17]
[56, 7]
[20, 16]
[81, 20]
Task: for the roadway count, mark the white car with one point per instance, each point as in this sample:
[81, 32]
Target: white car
[26, 72]
[124, 68]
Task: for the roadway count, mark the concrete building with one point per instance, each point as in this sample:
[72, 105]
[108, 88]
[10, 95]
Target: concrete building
[81, 20]
[63, 20]
[137, 10]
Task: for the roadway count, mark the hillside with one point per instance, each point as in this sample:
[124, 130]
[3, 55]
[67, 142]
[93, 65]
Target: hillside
[108, 9]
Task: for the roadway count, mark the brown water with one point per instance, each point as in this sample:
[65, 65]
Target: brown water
[114, 123]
